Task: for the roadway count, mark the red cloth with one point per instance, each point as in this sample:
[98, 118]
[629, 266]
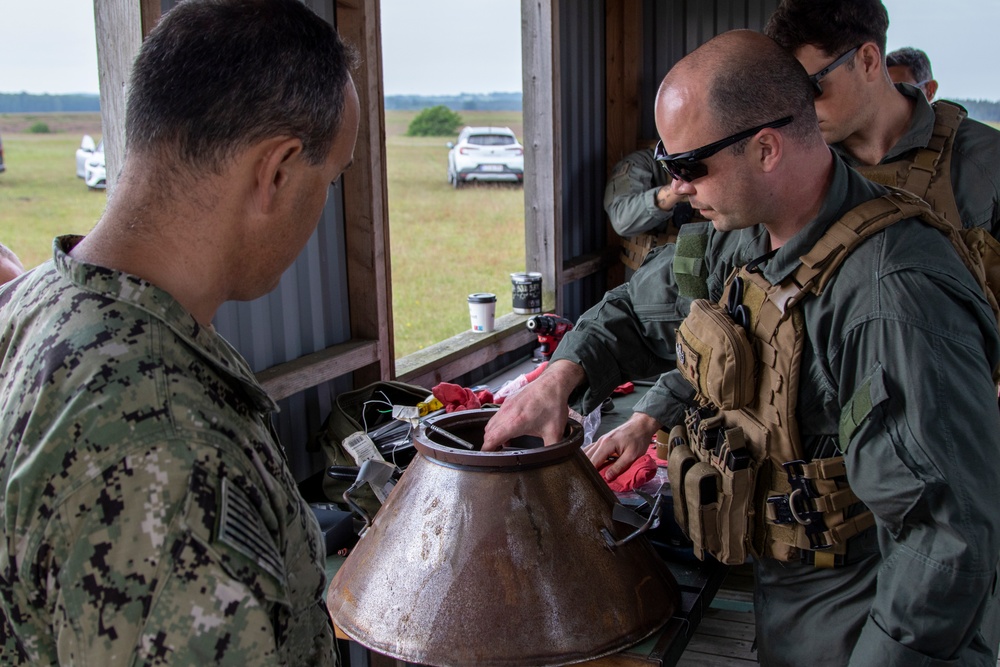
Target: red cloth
[640, 472]
[652, 453]
[623, 389]
[456, 398]
[533, 375]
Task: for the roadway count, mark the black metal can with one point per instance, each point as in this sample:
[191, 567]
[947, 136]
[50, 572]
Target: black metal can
[527, 294]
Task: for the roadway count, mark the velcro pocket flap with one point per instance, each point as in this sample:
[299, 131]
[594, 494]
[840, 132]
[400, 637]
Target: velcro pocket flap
[715, 355]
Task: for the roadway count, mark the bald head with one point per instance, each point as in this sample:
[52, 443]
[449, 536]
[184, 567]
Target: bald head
[742, 79]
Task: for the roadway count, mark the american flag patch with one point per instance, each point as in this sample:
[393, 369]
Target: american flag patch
[241, 527]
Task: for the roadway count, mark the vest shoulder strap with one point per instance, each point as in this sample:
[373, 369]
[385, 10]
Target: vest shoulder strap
[926, 172]
[979, 252]
[821, 263]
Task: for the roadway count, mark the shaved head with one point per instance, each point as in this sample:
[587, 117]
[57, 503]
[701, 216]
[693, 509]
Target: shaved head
[741, 79]
[742, 83]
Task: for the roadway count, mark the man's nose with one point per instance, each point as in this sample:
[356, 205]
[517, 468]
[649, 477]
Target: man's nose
[682, 187]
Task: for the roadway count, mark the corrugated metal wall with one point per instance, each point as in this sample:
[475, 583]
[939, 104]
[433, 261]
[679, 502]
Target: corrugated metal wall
[583, 102]
[672, 28]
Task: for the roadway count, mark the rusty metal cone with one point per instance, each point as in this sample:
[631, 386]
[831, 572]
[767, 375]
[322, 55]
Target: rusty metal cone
[496, 559]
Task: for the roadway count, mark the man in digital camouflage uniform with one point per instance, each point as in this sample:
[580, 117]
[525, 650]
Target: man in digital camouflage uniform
[638, 197]
[149, 516]
[866, 118]
[898, 355]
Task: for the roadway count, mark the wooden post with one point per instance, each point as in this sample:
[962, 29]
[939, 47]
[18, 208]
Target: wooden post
[623, 55]
[119, 34]
[366, 200]
[542, 140]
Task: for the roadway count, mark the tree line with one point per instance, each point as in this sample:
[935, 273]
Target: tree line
[984, 110]
[30, 103]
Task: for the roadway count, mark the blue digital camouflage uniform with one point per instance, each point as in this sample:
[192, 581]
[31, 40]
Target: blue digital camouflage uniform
[149, 516]
[898, 355]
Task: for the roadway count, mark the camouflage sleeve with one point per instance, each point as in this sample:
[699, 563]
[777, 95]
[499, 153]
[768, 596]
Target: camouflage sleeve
[156, 562]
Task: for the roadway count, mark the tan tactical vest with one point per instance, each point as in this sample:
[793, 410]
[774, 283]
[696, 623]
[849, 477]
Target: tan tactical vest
[740, 480]
[926, 173]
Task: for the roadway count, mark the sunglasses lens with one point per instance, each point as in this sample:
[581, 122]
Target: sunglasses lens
[687, 170]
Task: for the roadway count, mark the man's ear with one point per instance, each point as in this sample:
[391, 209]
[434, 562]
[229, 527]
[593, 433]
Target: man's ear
[768, 147]
[275, 161]
[930, 89]
[869, 57]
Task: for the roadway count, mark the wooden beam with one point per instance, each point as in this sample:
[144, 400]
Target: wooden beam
[283, 380]
[586, 265]
[465, 352]
[150, 11]
[366, 203]
[623, 57]
[542, 140]
[118, 24]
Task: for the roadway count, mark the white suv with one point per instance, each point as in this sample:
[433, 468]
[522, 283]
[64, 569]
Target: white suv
[485, 154]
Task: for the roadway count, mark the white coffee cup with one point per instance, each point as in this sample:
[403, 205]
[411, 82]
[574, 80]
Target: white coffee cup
[482, 310]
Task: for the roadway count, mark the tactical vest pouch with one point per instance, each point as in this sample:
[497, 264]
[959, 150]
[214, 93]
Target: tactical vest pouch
[680, 462]
[715, 355]
[724, 450]
[736, 468]
[702, 485]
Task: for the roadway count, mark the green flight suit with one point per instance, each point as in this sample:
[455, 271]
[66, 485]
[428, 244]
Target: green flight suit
[896, 371]
[975, 162]
[149, 516]
[630, 195]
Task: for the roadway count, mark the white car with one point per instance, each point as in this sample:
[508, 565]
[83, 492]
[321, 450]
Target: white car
[83, 153]
[94, 173]
[485, 154]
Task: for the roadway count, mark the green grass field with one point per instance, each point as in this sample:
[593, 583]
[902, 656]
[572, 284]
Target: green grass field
[444, 243]
[40, 195]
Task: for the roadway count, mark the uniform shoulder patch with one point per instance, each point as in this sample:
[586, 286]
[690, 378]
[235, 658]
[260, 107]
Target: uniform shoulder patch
[869, 393]
[242, 529]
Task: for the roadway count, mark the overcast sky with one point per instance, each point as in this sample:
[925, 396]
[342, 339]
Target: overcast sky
[473, 46]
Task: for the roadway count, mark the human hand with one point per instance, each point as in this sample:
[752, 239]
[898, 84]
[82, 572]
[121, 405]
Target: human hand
[540, 409]
[666, 198]
[627, 443]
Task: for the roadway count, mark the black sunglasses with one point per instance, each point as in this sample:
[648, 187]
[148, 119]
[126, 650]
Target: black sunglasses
[688, 166]
[814, 79]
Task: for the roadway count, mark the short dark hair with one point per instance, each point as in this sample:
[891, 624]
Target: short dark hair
[915, 59]
[216, 76]
[761, 85]
[833, 26]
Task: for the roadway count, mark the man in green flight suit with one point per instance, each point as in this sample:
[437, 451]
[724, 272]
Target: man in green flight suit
[870, 121]
[638, 197]
[148, 514]
[895, 369]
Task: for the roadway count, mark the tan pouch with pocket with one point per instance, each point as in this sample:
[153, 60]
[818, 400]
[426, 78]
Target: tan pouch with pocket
[716, 357]
[701, 492]
[680, 461]
[737, 474]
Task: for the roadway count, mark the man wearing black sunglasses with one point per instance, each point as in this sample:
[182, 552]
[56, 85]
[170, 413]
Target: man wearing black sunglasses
[891, 359]
[881, 128]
